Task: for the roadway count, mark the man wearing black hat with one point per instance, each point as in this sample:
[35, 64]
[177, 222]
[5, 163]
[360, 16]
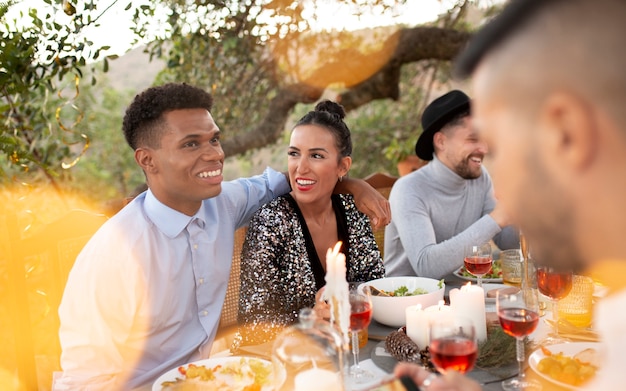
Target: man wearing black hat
[449, 203]
[549, 84]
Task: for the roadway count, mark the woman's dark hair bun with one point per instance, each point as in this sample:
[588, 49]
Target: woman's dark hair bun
[331, 107]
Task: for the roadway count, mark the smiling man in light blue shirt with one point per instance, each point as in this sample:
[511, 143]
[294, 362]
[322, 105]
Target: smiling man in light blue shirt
[146, 292]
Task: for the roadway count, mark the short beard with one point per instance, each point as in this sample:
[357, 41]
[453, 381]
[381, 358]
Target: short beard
[464, 171]
[546, 219]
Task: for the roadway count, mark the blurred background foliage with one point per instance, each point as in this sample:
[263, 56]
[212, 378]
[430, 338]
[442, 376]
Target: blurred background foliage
[60, 113]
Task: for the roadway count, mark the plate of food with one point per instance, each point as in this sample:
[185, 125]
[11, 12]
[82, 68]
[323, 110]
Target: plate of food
[223, 374]
[569, 365]
[495, 275]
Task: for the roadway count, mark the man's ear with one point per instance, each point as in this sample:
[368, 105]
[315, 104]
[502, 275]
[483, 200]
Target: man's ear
[143, 157]
[570, 131]
[439, 140]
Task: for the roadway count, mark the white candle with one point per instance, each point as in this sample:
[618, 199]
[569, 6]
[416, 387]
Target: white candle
[469, 302]
[336, 292]
[417, 325]
[418, 321]
[439, 310]
[315, 379]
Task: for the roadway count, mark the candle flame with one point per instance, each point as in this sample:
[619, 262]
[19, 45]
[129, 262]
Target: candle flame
[469, 284]
[418, 307]
[441, 304]
[336, 249]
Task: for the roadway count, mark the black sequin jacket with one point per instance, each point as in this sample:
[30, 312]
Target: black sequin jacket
[280, 269]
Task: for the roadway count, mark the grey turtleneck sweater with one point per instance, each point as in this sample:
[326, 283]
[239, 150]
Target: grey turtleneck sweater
[435, 213]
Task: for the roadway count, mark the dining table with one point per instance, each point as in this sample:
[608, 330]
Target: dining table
[381, 363]
[375, 357]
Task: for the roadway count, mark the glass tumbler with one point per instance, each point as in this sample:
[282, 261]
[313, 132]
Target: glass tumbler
[576, 307]
[511, 263]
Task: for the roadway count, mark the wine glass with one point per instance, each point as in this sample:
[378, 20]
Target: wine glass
[519, 315]
[360, 317]
[554, 284]
[453, 344]
[478, 260]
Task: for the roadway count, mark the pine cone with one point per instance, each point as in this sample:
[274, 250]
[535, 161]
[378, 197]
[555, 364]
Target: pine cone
[425, 360]
[401, 347]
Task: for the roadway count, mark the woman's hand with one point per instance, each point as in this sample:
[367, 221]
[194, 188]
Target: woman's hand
[321, 308]
[368, 200]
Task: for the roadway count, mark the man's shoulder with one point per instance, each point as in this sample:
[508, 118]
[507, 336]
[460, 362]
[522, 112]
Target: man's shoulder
[416, 180]
[129, 221]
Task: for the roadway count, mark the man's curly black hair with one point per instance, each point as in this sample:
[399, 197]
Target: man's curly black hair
[143, 121]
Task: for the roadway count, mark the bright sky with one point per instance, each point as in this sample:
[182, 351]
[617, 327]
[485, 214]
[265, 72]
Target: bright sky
[415, 12]
[114, 30]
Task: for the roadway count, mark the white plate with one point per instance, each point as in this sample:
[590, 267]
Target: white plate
[474, 279]
[222, 381]
[568, 349]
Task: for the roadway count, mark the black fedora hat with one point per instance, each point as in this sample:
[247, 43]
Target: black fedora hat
[438, 113]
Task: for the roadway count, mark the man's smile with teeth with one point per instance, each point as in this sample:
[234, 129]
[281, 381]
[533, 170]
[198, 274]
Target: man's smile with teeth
[208, 174]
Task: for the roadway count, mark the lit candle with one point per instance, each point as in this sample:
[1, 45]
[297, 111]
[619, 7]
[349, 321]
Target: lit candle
[469, 302]
[317, 379]
[439, 309]
[336, 292]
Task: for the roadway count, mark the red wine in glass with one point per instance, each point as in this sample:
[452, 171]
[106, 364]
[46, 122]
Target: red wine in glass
[477, 260]
[478, 265]
[360, 317]
[519, 315]
[360, 314]
[454, 353]
[518, 322]
[554, 284]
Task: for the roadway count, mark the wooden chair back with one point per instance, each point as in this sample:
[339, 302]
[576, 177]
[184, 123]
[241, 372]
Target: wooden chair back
[383, 183]
[231, 302]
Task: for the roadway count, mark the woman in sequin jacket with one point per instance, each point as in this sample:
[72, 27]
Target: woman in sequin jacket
[283, 259]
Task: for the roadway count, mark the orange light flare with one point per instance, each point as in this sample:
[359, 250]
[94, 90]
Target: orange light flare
[339, 59]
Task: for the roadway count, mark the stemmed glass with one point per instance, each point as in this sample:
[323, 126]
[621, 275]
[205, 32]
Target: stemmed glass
[453, 344]
[360, 317]
[554, 284]
[478, 260]
[519, 314]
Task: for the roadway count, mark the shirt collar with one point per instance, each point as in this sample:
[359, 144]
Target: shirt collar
[169, 221]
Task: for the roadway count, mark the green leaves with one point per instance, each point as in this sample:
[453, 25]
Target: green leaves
[39, 57]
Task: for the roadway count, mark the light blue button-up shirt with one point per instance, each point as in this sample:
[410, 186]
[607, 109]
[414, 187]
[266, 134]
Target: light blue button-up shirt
[146, 293]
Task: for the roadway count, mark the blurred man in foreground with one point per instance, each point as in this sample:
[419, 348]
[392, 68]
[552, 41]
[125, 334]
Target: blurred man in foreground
[549, 89]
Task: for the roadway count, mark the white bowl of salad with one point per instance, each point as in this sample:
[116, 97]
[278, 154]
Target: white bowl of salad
[391, 296]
